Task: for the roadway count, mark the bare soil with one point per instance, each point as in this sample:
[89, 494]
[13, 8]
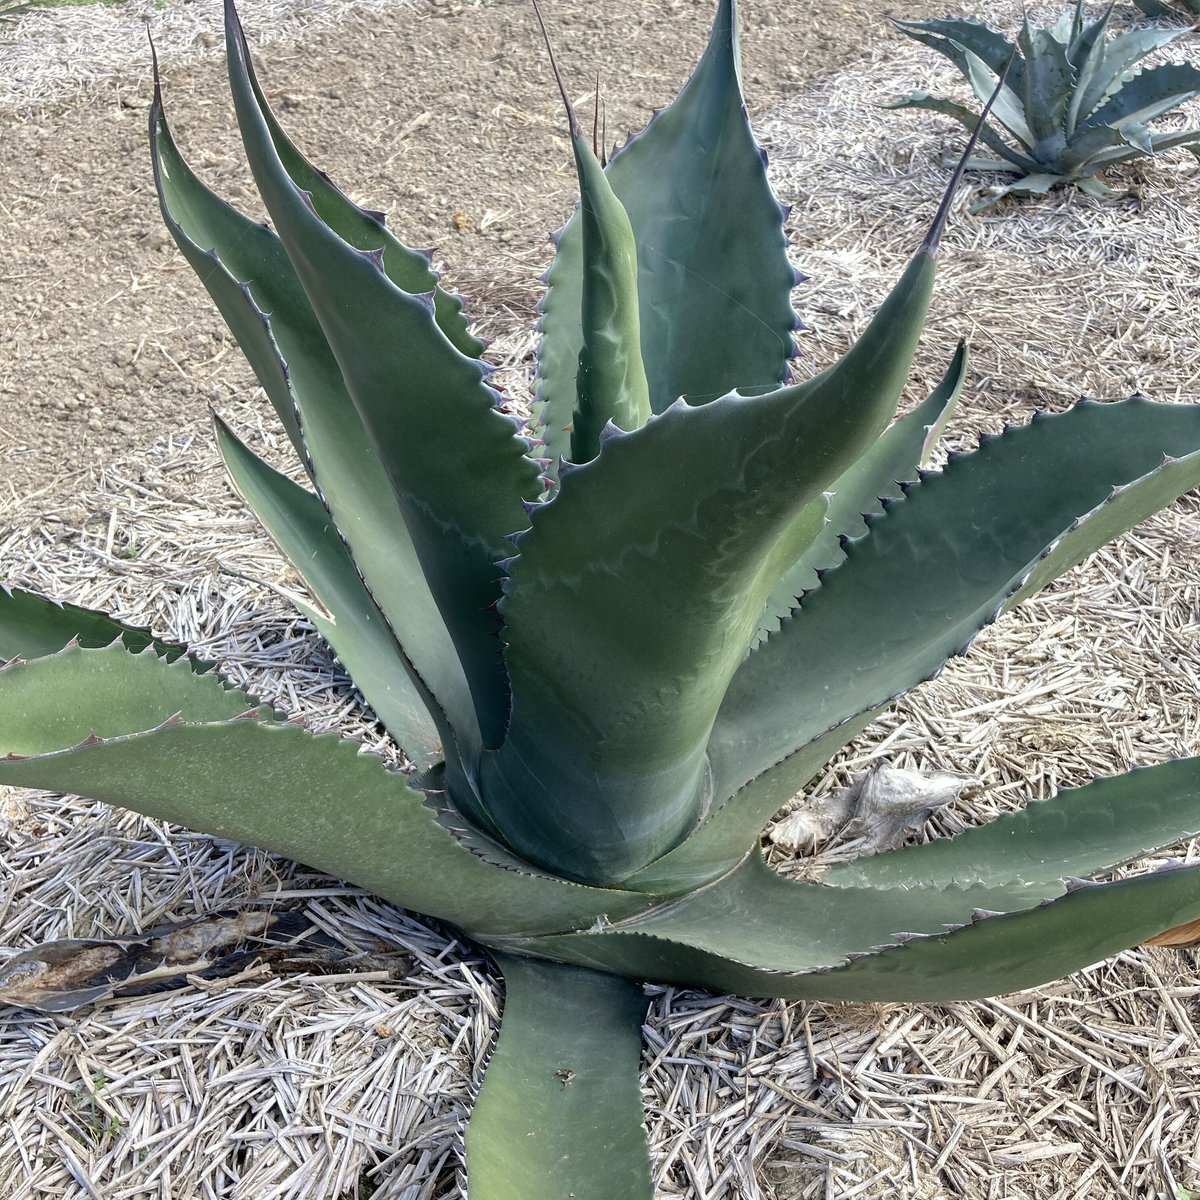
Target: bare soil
[443, 114]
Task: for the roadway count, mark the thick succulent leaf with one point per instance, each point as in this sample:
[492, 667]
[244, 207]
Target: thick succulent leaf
[1147, 95]
[76, 694]
[860, 491]
[456, 464]
[32, 625]
[1046, 89]
[229, 254]
[765, 920]
[247, 272]
[1033, 185]
[1119, 147]
[1118, 57]
[348, 618]
[956, 37]
[314, 799]
[625, 621]
[946, 560]
[1080, 832]
[713, 273]
[367, 230]
[1087, 50]
[1006, 103]
[995, 953]
[725, 835]
[560, 1110]
[969, 119]
[1189, 139]
[611, 381]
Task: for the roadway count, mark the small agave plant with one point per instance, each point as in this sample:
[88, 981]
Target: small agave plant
[1174, 8]
[1073, 103]
[587, 635]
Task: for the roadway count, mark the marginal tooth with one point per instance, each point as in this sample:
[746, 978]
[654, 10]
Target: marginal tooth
[982, 914]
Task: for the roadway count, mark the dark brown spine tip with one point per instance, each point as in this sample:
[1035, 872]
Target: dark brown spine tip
[934, 237]
[562, 90]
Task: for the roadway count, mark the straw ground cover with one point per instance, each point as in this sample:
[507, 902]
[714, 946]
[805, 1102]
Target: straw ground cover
[330, 1086]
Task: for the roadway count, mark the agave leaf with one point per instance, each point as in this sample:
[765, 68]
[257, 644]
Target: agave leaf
[772, 924]
[111, 691]
[1189, 139]
[1087, 50]
[723, 837]
[247, 272]
[315, 799]
[32, 625]
[560, 1102]
[366, 230]
[1006, 103]
[969, 120]
[1031, 185]
[1116, 58]
[611, 383]
[1046, 88]
[1147, 95]
[461, 496]
[350, 621]
[925, 580]
[859, 491]
[713, 274]
[957, 37]
[994, 953]
[1080, 832]
[673, 587]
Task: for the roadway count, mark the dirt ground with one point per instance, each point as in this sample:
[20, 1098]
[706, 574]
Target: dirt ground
[110, 340]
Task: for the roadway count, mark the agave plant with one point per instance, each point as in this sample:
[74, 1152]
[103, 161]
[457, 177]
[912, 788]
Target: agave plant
[1073, 103]
[586, 634]
[1179, 8]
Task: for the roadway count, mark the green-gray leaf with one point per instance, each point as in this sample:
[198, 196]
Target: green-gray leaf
[461, 495]
[625, 622]
[1080, 832]
[967, 542]
[715, 942]
[32, 625]
[560, 1102]
[713, 273]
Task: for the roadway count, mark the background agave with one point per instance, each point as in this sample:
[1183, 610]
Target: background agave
[1153, 8]
[1074, 101]
[588, 806]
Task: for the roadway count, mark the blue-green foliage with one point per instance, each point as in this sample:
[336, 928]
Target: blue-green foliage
[1074, 101]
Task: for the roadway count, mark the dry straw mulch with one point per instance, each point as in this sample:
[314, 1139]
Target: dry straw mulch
[318, 1088]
